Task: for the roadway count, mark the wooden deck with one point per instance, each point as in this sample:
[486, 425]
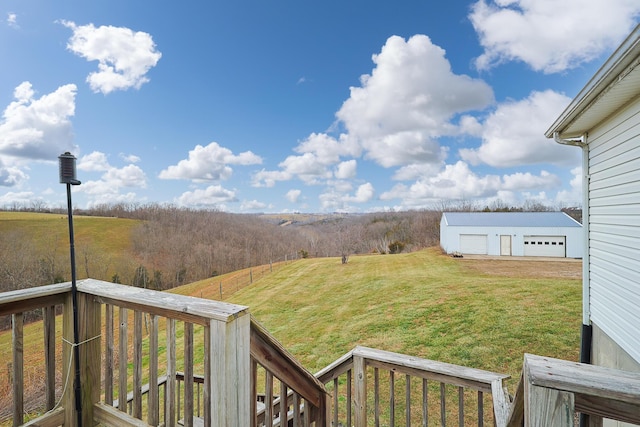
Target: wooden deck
[152, 358]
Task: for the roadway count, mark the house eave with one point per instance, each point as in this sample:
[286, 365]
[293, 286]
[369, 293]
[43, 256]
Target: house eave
[615, 84]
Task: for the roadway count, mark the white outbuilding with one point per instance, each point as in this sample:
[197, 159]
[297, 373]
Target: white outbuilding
[547, 234]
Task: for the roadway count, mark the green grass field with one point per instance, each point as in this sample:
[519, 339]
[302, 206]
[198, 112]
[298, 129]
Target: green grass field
[423, 304]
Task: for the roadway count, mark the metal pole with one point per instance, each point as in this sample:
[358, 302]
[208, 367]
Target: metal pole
[74, 296]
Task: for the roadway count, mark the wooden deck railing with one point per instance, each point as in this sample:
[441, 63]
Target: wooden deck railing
[551, 391]
[373, 387]
[217, 366]
[125, 361]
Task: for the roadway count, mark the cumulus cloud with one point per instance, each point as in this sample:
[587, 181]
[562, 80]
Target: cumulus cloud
[346, 170]
[318, 153]
[408, 101]
[293, 195]
[38, 128]
[124, 56]
[108, 188]
[338, 196]
[459, 182]
[11, 176]
[210, 163]
[512, 134]
[213, 195]
[129, 158]
[550, 35]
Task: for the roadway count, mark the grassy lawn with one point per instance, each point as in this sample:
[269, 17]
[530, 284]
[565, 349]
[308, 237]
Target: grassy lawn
[424, 304]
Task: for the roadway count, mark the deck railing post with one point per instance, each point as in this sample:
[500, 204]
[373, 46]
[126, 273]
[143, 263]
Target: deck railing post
[360, 398]
[230, 368]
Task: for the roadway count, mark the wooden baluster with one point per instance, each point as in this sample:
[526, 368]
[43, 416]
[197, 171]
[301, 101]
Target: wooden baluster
[122, 360]
[207, 376]
[443, 405]
[425, 403]
[49, 328]
[253, 386]
[376, 395]
[284, 405]
[408, 399]
[480, 409]
[108, 357]
[153, 402]
[170, 393]
[461, 406]
[349, 399]
[360, 401]
[17, 339]
[268, 399]
[188, 375]
[137, 364]
[392, 399]
[296, 409]
[335, 401]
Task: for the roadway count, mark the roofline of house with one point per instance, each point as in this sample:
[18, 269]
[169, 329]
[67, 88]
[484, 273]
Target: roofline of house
[617, 63]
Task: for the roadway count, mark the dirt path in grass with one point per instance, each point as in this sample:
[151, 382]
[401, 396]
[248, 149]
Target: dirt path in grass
[565, 268]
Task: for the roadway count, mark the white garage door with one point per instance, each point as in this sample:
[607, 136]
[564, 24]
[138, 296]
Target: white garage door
[553, 246]
[473, 244]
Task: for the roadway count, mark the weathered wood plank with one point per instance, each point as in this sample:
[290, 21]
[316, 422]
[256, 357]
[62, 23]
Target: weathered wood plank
[17, 341]
[392, 399]
[180, 307]
[110, 416]
[49, 329]
[153, 416]
[188, 375]
[90, 351]
[432, 370]
[137, 364]
[109, 354]
[269, 353]
[268, 399]
[54, 418]
[506, 413]
[123, 318]
[335, 369]
[589, 380]
[23, 300]
[360, 398]
[170, 389]
[547, 407]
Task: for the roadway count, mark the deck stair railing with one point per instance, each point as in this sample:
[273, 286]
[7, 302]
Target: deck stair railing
[373, 387]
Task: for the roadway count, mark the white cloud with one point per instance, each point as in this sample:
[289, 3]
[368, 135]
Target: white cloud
[550, 35]
[94, 162]
[129, 158]
[11, 176]
[513, 134]
[209, 163]
[252, 205]
[12, 20]
[38, 128]
[214, 195]
[459, 182]
[107, 188]
[338, 198]
[408, 101]
[293, 195]
[268, 179]
[124, 56]
[22, 198]
[346, 170]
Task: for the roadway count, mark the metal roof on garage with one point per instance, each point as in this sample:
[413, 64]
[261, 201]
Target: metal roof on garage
[509, 219]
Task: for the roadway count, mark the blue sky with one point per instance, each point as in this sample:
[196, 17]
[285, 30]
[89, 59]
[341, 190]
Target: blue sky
[283, 106]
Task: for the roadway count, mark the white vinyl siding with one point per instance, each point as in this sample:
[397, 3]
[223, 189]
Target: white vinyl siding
[473, 244]
[614, 227]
